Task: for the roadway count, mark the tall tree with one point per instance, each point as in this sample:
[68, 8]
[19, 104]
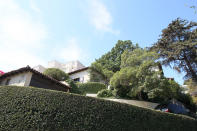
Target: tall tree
[103, 68]
[138, 73]
[178, 47]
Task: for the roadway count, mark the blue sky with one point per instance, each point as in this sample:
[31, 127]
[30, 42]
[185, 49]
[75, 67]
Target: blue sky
[34, 32]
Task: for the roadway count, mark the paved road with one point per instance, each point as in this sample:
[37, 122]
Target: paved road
[131, 102]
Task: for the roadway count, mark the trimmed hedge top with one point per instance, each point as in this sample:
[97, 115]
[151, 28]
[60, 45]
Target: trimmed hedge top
[91, 87]
[28, 108]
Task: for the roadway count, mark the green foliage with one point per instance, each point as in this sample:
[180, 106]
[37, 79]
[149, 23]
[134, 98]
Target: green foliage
[75, 89]
[137, 74]
[169, 89]
[26, 108]
[194, 100]
[139, 79]
[192, 85]
[62, 76]
[56, 74]
[105, 93]
[91, 87]
[178, 47]
[104, 68]
[99, 74]
[187, 100]
[137, 57]
[166, 90]
[123, 81]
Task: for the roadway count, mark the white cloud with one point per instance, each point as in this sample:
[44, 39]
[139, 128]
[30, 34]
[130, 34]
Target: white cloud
[34, 6]
[21, 36]
[100, 17]
[72, 51]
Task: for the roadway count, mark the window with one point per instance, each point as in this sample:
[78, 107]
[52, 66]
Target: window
[76, 79]
[7, 82]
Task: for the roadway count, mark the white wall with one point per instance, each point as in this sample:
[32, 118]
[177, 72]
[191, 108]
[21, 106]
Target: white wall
[67, 67]
[39, 68]
[83, 75]
[22, 79]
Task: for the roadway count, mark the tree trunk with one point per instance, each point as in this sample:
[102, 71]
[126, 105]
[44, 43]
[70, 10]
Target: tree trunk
[193, 73]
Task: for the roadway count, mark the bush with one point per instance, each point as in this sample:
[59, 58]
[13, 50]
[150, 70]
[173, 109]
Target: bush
[187, 100]
[91, 87]
[56, 74]
[166, 90]
[26, 108]
[105, 93]
[74, 88]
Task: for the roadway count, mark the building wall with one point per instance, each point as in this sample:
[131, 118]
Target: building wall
[54, 64]
[67, 67]
[28, 78]
[40, 68]
[38, 81]
[84, 76]
[18, 80]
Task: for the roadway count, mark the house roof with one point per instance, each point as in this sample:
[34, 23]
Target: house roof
[76, 71]
[29, 69]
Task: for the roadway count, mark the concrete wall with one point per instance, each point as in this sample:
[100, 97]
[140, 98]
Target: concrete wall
[21, 79]
[84, 76]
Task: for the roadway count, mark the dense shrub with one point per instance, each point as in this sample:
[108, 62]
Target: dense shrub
[26, 108]
[105, 93]
[187, 100]
[166, 90]
[56, 74]
[91, 87]
[74, 88]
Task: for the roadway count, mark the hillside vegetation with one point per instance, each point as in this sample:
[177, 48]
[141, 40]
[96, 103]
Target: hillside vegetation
[28, 108]
[91, 87]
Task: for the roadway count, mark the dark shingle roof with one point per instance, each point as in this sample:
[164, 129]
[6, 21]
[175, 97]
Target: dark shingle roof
[76, 71]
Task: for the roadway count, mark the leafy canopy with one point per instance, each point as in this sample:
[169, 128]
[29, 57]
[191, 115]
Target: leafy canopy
[138, 73]
[178, 47]
[104, 68]
[56, 74]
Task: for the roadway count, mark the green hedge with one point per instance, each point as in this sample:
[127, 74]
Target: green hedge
[91, 87]
[28, 108]
[105, 93]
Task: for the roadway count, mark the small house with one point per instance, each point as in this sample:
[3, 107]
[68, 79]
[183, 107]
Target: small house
[29, 77]
[81, 75]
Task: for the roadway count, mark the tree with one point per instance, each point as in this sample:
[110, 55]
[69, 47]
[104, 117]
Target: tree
[137, 75]
[192, 85]
[100, 74]
[104, 68]
[140, 77]
[56, 74]
[177, 47]
[62, 76]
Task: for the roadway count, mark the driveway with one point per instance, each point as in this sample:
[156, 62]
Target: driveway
[144, 104]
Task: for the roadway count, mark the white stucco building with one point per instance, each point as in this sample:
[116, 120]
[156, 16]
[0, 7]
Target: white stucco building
[40, 68]
[67, 67]
[76, 70]
[81, 75]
